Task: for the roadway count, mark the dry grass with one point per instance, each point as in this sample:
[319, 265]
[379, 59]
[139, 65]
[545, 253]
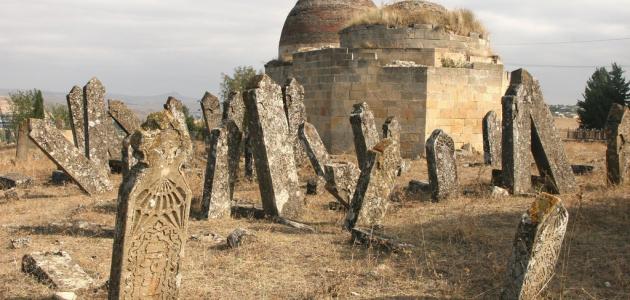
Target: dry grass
[462, 245]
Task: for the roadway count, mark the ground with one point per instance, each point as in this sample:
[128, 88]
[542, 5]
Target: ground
[461, 245]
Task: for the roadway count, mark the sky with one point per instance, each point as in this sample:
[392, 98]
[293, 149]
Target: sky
[152, 47]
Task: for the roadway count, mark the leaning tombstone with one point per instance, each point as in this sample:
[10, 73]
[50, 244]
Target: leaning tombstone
[391, 130]
[152, 219]
[315, 149]
[97, 129]
[341, 181]
[272, 149]
[77, 117]
[364, 130]
[536, 248]
[618, 144]
[293, 98]
[442, 165]
[491, 139]
[126, 118]
[211, 109]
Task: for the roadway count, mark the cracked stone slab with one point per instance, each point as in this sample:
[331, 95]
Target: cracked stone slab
[364, 130]
[442, 165]
[56, 269]
[126, 118]
[315, 149]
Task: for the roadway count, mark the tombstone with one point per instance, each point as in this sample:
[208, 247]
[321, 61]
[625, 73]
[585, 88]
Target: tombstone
[376, 182]
[528, 128]
[91, 177]
[126, 118]
[293, 98]
[341, 181]
[391, 130]
[618, 145]
[272, 149]
[221, 169]
[234, 109]
[97, 135]
[315, 149]
[23, 143]
[364, 131]
[57, 270]
[536, 248]
[442, 165]
[153, 208]
[77, 117]
[211, 109]
[491, 139]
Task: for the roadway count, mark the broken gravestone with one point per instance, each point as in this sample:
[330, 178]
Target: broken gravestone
[221, 169]
[618, 145]
[442, 165]
[15, 180]
[315, 149]
[126, 118]
[376, 182]
[77, 117]
[391, 130]
[536, 248]
[491, 139]
[153, 208]
[56, 269]
[364, 130]
[341, 181]
[92, 178]
[293, 98]
[211, 109]
[272, 149]
[528, 128]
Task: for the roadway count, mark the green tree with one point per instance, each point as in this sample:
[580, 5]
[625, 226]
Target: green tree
[25, 105]
[196, 131]
[602, 90]
[38, 105]
[620, 87]
[238, 81]
[60, 113]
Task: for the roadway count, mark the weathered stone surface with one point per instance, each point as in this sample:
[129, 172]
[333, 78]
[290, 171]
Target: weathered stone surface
[273, 149]
[98, 126]
[618, 145]
[315, 185]
[153, 207]
[56, 269]
[247, 211]
[364, 130]
[376, 182]
[91, 177]
[536, 248]
[77, 117]
[315, 149]
[498, 192]
[64, 296]
[211, 109]
[442, 166]
[391, 130]
[491, 139]
[238, 237]
[20, 243]
[15, 180]
[222, 166]
[234, 109]
[126, 118]
[293, 98]
[341, 181]
[370, 238]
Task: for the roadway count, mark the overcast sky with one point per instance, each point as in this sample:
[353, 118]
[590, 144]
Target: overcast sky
[150, 47]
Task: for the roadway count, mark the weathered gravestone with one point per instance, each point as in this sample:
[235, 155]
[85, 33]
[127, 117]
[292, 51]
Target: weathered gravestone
[341, 181]
[364, 131]
[221, 169]
[126, 118]
[99, 128]
[234, 109]
[536, 248]
[77, 117]
[618, 145]
[91, 177]
[315, 149]
[376, 182]
[293, 98]
[528, 127]
[153, 208]
[22, 150]
[272, 149]
[212, 113]
[491, 139]
[442, 165]
[391, 130]
[56, 269]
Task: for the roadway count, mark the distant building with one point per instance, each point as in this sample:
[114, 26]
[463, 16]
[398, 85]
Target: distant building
[5, 112]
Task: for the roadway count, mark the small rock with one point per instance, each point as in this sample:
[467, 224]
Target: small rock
[208, 238]
[607, 284]
[56, 269]
[238, 237]
[15, 180]
[20, 243]
[498, 192]
[65, 296]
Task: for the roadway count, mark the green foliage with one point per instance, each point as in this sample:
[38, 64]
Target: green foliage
[238, 81]
[25, 105]
[602, 90]
[196, 131]
[60, 114]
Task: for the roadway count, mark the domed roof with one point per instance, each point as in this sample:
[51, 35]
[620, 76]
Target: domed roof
[316, 23]
[419, 5]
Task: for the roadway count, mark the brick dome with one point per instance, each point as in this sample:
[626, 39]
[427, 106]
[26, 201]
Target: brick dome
[316, 23]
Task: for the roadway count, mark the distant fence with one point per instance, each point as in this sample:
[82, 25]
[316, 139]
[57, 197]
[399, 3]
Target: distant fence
[587, 135]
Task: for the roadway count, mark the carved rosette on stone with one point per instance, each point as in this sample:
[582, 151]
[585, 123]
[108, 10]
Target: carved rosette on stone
[154, 203]
[126, 118]
[211, 109]
[315, 149]
[442, 165]
[293, 98]
[491, 139]
[536, 248]
[364, 131]
[618, 145]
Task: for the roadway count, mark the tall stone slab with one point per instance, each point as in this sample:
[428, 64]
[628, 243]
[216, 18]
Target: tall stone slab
[221, 169]
[77, 117]
[293, 98]
[536, 248]
[376, 182]
[341, 181]
[442, 165]
[22, 149]
[272, 149]
[211, 109]
[126, 118]
[153, 208]
[391, 130]
[618, 144]
[315, 149]
[491, 139]
[234, 109]
[91, 177]
[364, 130]
[96, 119]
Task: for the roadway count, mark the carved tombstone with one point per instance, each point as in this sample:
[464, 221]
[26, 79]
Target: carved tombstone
[315, 149]
[528, 127]
[221, 169]
[364, 131]
[442, 165]
[154, 203]
[211, 109]
[391, 130]
[376, 182]
[491, 139]
[126, 118]
[618, 146]
[536, 248]
[272, 149]
[77, 117]
[91, 177]
[341, 180]
[293, 98]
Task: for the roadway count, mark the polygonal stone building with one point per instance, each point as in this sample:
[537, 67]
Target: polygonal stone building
[425, 75]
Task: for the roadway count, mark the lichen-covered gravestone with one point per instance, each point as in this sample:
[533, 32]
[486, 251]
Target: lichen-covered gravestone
[211, 109]
[126, 118]
[293, 98]
[315, 149]
[618, 146]
[153, 208]
[491, 139]
[376, 182]
[221, 169]
[77, 117]
[272, 149]
[391, 130]
[341, 181]
[442, 165]
[536, 248]
[56, 269]
[99, 128]
[364, 130]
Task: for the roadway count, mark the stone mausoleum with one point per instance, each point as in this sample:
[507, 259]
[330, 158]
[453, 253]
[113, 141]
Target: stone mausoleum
[424, 75]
